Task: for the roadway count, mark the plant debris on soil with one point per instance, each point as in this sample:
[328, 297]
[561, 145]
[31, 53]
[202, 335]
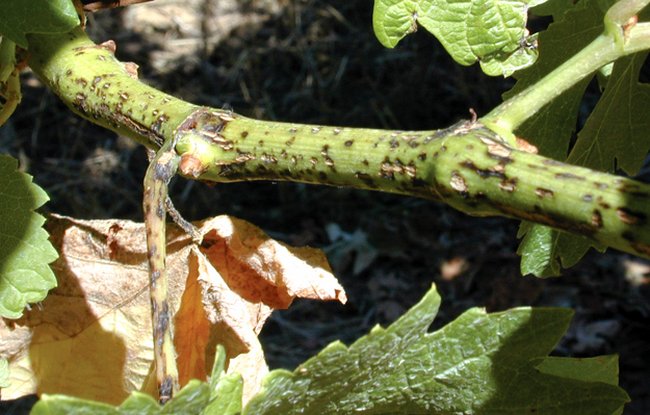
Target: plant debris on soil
[316, 61]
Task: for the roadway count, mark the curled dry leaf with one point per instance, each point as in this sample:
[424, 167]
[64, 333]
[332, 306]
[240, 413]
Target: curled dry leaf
[91, 337]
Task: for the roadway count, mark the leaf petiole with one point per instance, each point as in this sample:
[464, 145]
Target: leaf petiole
[621, 37]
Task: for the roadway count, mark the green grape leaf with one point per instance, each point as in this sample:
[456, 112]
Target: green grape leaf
[492, 32]
[617, 129]
[543, 250]
[138, 403]
[188, 401]
[226, 390]
[25, 252]
[551, 129]
[21, 17]
[4, 373]
[480, 363]
[221, 396]
[598, 369]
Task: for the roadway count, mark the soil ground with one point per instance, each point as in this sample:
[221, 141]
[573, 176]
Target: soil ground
[314, 61]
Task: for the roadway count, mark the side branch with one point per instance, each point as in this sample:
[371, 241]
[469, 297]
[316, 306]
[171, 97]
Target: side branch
[467, 166]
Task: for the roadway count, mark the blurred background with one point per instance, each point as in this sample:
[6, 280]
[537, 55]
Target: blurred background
[314, 61]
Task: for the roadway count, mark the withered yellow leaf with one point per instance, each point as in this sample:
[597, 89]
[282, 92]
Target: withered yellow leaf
[91, 337]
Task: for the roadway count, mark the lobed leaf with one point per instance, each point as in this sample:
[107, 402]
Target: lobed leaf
[92, 337]
[616, 133]
[20, 17]
[492, 32]
[25, 252]
[544, 250]
[478, 364]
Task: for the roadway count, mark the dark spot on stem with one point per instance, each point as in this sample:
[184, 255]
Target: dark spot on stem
[422, 156]
[641, 248]
[568, 176]
[457, 182]
[587, 198]
[348, 143]
[630, 217]
[483, 173]
[508, 185]
[542, 193]
[366, 179]
[166, 389]
[244, 134]
[597, 219]
[155, 275]
[551, 162]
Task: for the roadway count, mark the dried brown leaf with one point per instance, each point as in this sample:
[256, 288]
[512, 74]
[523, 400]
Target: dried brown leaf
[91, 337]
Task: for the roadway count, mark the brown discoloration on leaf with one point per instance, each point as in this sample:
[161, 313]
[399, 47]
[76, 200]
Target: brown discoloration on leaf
[96, 325]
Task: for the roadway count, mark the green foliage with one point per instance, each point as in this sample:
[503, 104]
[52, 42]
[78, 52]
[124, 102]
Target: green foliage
[490, 31]
[479, 364]
[221, 396]
[616, 133]
[612, 132]
[25, 251]
[20, 17]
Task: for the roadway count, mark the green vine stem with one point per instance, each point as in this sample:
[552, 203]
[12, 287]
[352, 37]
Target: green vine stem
[467, 165]
[623, 36]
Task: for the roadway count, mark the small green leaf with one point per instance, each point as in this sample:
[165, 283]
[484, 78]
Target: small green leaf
[226, 397]
[4, 373]
[551, 129]
[189, 400]
[490, 31]
[616, 132]
[543, 250]
[480, 364]
[21, 17]
[221, 396]
[139, 403]
[226, 390]
[65, 405]
[592, 369]
[25, 252]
